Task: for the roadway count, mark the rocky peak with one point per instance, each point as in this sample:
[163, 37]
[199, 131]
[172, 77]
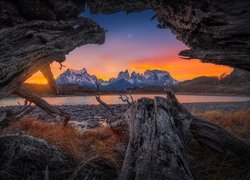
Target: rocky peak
[124, 74]
[156, 74]
[136, 76]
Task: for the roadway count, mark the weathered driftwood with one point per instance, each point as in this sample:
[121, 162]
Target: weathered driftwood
[159, 130]
[47, 73]
[218, 139]
[156, 148]
[34, 34]
[209, 134]
[99, 100]
[29, 47]
[52, 110]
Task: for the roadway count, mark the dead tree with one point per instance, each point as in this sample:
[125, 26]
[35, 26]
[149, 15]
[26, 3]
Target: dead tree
[156, 145]
[98, 99]
[127, 98]
[159, 130]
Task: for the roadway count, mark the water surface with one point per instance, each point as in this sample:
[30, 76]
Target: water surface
[113, 99]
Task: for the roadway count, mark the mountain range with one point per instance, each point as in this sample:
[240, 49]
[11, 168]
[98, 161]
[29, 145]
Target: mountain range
[123, 81]
[237, 82]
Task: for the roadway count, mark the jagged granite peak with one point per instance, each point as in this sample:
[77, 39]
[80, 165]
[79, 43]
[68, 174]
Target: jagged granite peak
[137, 76]
[80, 77]
[124, 80]
[124, 74]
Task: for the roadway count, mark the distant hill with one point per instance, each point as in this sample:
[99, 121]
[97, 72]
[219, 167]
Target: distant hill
[238, 82]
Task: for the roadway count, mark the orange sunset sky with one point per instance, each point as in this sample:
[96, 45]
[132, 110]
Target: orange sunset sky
[179, 69]
[133, 42]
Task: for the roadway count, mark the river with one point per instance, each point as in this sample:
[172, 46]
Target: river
[113, 99]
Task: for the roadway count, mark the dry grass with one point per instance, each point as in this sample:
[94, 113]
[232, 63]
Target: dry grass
[103, 142]
[238, 122]
[100, 142]
[209, 165]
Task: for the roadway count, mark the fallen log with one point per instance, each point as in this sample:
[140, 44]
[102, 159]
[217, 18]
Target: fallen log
[52, 110]
[218, 139]
[210, 135]
[155, 150]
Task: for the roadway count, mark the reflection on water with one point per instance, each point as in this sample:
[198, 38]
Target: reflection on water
[113, 99]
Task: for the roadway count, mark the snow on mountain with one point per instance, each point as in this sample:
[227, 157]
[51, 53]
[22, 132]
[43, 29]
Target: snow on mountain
[81, 77]
[122, 82]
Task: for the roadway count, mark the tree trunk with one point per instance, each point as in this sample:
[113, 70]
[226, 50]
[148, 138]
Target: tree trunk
[159, 130]
[156, 149]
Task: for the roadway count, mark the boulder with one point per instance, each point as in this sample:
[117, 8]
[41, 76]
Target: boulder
[26, 157]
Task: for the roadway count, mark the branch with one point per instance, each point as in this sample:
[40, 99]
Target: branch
[126, 98]
[98, 98]
[61, 65]
[22, 92]
[46, 71]
[27, 108]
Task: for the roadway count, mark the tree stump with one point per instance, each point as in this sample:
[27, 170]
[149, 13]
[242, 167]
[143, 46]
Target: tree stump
[156, 146]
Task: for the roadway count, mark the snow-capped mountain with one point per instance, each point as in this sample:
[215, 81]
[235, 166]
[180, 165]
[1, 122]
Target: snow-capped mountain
[136, 80]
[124, 80]
[81, 77]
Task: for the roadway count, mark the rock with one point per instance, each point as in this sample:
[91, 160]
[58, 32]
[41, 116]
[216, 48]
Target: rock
[25, 157]
[97, 168]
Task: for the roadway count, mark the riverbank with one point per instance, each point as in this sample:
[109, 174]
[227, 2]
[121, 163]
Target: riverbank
[91, 116]
[87, 138]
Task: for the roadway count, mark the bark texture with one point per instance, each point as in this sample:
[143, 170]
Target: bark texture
[215, 31]
[217, 138]
[33, 34]
[156, 148]
[26, 157]
[159, 129]
[52, 110]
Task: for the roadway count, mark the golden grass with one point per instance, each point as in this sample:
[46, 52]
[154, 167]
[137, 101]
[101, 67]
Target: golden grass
[99, 142]
[104, 142]
[211, 166]
[238, 122]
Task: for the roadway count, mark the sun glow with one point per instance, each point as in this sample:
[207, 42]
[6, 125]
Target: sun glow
[179, 69]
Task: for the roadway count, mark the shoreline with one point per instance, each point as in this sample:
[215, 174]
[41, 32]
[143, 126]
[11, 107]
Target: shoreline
[147, 93]
[91, 116]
